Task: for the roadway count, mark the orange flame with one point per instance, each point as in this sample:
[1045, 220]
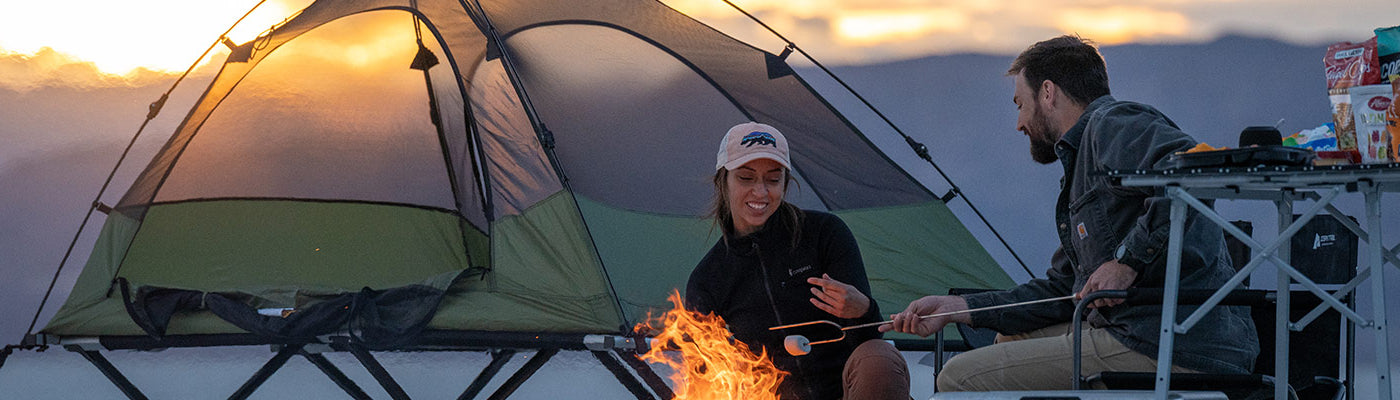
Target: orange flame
[710, 365]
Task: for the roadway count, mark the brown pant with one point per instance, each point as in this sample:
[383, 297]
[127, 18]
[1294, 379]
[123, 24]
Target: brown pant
[875, 370]
[1040, 360]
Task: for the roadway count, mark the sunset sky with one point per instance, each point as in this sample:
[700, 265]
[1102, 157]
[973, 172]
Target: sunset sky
[166, 35]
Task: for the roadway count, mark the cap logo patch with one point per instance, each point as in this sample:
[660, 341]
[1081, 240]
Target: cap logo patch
[758, 138]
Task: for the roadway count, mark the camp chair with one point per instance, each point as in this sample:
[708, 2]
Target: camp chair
[1319, 341]
[1258, 384]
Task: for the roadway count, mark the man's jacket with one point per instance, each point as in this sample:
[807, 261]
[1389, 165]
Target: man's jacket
[1098, 222]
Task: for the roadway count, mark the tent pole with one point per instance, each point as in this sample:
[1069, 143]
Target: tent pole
[424, 61]
[336, 375]
[524, 373]
[499, 358]
[546, 140]
[380, 374]
[648, 375]
[266, 371]
[109, 371]
[620, 372]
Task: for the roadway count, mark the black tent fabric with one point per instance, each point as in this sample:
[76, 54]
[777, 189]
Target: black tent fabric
[376, 319]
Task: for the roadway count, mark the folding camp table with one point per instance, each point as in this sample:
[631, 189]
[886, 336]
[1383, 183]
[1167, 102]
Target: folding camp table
[1282, 185]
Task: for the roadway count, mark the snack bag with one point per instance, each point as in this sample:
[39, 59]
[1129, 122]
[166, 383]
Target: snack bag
[1388, 53]
[1322, 138]
[1392, 119]
[1348, 64]
[1369, 106]
[1352, 64]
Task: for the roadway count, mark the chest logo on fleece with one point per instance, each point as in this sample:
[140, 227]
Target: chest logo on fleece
[794, 272]
[1083, 233]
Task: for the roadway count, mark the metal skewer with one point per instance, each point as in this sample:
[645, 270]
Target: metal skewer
[798, 345]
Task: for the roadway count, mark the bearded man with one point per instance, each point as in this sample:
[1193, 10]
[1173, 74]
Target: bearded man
[1111, 238]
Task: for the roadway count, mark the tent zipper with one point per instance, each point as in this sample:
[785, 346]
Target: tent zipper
[773, 303]
[767, 284]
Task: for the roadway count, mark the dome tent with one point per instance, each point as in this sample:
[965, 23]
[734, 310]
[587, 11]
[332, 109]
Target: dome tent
[477, 175]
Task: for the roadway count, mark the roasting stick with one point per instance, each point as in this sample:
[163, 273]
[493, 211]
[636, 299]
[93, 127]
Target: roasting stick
[798, 345]
[943, 314]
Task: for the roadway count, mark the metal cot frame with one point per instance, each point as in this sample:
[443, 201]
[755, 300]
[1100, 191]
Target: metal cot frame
[616, 353]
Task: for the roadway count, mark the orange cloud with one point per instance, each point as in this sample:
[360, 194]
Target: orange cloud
[869, 28]
[1122, 24]
[49, 68]
[120, 37]
[367, 41]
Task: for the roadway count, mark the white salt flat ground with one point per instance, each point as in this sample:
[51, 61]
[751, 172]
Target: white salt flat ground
[214, 374]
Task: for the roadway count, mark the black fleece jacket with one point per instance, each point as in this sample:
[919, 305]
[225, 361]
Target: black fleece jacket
[760, 280]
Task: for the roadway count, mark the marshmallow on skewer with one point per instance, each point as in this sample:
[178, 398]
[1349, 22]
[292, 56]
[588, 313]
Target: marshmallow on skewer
[797, 345]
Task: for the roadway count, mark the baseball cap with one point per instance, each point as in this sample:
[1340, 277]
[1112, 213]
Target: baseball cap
[751, 141]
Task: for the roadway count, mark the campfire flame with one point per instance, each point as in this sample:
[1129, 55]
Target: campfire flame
[710, 365]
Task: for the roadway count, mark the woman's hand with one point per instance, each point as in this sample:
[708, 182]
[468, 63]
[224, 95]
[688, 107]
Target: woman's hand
[909, 321]
[838, 298]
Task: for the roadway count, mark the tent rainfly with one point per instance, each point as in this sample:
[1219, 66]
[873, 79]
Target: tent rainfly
[492, 175]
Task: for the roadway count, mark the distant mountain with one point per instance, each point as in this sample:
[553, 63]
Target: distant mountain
[43, 200]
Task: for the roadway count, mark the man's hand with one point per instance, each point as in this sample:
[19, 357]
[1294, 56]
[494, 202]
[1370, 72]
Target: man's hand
[1112, 275]
[909, 321]
[837, 298]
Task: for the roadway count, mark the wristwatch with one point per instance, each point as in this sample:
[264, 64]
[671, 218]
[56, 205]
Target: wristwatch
[1132, 259]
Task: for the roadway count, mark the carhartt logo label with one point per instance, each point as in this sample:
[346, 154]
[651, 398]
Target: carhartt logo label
[758, 138]
[1083, 232]
[794, 272]
[1323, 240]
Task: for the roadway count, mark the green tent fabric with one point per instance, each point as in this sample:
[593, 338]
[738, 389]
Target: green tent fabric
[545, 162]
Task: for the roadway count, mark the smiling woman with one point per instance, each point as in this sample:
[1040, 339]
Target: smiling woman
[120, 37]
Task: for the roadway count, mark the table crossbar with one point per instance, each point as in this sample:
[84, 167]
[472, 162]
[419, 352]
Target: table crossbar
[1266, 253]
[1282, 185]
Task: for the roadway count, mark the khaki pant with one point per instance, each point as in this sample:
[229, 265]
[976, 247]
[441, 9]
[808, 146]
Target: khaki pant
[1040, 360]
[875, 370]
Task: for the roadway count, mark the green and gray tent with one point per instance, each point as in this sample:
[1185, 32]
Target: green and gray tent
[524, 166]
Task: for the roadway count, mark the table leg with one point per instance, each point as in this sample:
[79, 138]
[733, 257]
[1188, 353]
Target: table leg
[1169, 296]
[1376, 255]
[1283, 285]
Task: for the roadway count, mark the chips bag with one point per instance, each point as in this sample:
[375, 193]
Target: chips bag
[1388, 53]
[1392, 119]
[1369, 106]
[1348, 64]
